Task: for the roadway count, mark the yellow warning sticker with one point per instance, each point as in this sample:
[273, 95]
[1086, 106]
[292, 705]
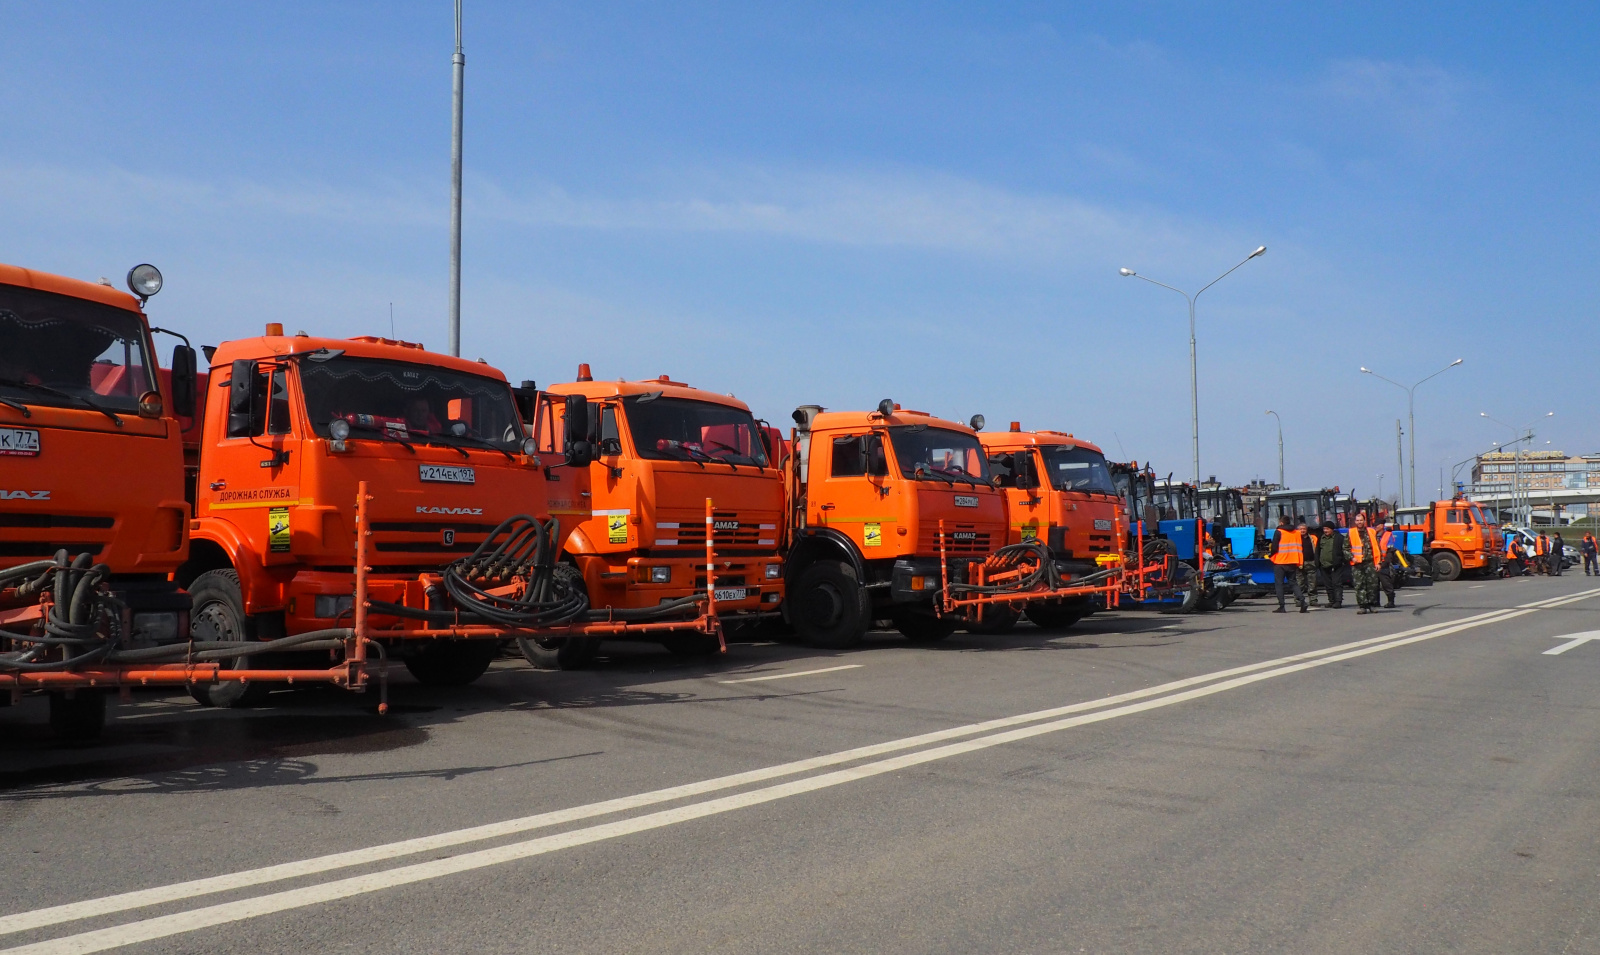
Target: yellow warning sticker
[1030, 531]
[872, 535]
[617, 528]
[278, 530]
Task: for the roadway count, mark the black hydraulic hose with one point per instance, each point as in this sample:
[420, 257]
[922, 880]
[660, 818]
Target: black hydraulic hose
[519, 546]
[1044, 573]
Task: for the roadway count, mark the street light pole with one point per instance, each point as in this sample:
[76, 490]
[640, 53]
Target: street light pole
[1411, 411]
[1194, 379]
[1274, 414]
[460, 69]
[1524, 433]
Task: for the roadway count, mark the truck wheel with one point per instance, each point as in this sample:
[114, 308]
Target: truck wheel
[923, 628]
[829, 606]
[1058, 615]
[78, 717]
[558, 653]
[1446, 566]
[996, 620]
[452, 662]
[218, 614]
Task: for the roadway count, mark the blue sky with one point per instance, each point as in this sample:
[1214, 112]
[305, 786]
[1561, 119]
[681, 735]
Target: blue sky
[839, 203]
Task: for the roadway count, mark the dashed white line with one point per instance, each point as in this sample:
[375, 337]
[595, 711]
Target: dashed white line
[785, 676]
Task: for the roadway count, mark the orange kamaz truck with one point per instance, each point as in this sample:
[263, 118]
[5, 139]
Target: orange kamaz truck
[887, 510]
[1058, 492]
[461, 523]
[662, 448]
[1450, 538]
[93, 519]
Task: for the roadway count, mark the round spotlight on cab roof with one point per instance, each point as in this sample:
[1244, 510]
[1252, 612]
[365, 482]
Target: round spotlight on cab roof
[338, 429]
[976, 423]
[144, 281]
[886, 407]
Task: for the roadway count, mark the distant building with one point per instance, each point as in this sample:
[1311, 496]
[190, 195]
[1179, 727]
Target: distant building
[1495, 472]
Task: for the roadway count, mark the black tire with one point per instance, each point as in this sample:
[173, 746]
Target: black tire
[691, 644]
[561, 653]
[452, 662]
[996, 620]
[1226, 597]
[829, 607]
[79, 717]
[1191, 596]
[1058, 615]
[1446, 566]
[923, 628]
[218, 614]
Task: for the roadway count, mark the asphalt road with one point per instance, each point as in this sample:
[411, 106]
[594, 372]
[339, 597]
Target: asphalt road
[1420, 780]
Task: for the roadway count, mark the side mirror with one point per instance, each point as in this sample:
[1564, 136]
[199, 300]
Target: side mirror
[183, 381]
[1022, 468]
[580, 453]
[872, 452]
[527, 398]
[242, 399]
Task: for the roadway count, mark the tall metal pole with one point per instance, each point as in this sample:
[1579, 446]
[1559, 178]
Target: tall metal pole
[1276, 417]
[1194, 378]
[460, 61]
[1400, 454]
[1411, 391]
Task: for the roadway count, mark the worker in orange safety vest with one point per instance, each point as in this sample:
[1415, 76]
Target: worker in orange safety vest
[1287, 554]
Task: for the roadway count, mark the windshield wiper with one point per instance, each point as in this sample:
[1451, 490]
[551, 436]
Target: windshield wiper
[923, 469]
[13, 403]
[481, 442]
[958, 470]
[433, 441]
[56, 392]
[688, 454]
[724, 460]
[386, 433]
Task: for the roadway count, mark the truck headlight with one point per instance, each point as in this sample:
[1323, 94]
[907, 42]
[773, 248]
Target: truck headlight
[661, 575]
[338, 429]
[530, 447]
[774, 571]
[144, 281]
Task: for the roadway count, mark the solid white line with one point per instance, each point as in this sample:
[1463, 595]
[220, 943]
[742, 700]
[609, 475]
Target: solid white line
[38, 918]
[224, 913]
[785, 676]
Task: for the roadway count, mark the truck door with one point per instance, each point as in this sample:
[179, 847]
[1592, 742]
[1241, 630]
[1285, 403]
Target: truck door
[252, 470]
[849, 499]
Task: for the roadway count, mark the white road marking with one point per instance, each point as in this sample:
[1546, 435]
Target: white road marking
[1476, 586]
[1573, 640]
[192, 920]
[785, 676]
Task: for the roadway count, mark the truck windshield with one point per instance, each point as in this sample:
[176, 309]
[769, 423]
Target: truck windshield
[682, 429]
[68, 352]
[939, 454]
[409, 401]
[1077, 469]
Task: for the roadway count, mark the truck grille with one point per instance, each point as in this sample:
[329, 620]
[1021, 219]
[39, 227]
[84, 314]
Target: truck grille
[730, 532]
[428, 537]
[957, 541]
[42, 546]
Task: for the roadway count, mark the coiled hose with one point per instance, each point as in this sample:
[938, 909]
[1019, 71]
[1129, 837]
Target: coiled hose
[1042, 575]
[524, 547]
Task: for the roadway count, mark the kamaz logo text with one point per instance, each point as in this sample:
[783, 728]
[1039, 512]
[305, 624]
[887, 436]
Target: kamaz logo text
[725, 525]
[465, 511]
[24, 495]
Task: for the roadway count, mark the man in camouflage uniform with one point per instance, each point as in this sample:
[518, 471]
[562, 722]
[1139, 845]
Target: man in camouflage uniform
[1308, 570]
[1366, 552]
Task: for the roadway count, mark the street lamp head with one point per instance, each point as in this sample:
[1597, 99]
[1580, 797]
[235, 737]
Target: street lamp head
[1257, 252]
[1127, 272]
[1365, 370]
[1456, 362]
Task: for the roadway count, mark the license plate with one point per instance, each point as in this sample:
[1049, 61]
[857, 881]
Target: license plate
[19, 442]
[1102, 525]
[730, 593]
[446, 475]
[963, 500]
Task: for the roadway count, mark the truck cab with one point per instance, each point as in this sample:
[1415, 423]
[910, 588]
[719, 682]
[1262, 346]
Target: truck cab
[1453, 536]
[869, 493]
[91, 454]
[662, 449]
[1059, 492]
[292, 425]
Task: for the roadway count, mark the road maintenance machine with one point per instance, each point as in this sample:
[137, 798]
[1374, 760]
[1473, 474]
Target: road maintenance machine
[1450, 538]
[1165, 529]
[662, 448]
[1059, 491]
[92, 513]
